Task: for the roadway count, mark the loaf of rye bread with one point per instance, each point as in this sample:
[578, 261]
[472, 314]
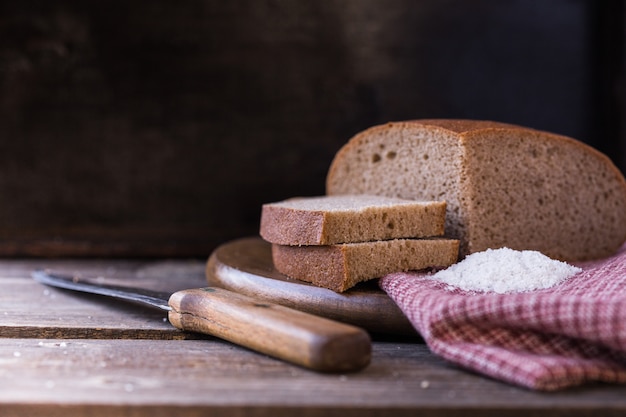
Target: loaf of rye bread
[329, 220]
[342, 266]
[504, 185]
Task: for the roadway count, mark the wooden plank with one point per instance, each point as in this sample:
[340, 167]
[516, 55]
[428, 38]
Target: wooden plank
[103, 243]
[146, 377]
[73, 356]
[30, 309]
[169, 121]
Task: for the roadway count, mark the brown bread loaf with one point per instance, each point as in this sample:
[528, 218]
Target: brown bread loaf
[504, 185]
[340, 267]
[328, 220]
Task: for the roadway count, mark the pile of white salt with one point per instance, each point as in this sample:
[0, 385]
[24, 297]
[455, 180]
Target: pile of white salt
[505, 271]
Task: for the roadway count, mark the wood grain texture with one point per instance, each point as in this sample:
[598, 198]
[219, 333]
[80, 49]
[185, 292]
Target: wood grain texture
[245, 266]
[300, 338]
[148, 128]
[29, 309]
[192, 378]
[138, 375]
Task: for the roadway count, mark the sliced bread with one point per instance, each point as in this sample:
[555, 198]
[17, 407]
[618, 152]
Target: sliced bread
[504, 185]
[328, 220]
[340, 267]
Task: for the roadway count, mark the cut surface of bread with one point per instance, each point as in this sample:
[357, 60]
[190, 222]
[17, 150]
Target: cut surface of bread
[328, 220]
[340, 267]
[504, 185]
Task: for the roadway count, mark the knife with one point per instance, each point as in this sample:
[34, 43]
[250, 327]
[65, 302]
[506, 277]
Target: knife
[310, 341]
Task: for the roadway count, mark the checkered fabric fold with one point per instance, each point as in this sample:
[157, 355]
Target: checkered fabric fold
[550, 339]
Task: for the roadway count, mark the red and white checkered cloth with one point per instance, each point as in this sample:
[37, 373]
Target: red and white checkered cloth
[550, 339]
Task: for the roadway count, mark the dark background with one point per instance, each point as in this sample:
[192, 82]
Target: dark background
[158, 128]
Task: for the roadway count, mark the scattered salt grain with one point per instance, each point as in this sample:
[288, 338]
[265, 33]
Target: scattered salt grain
[505, 270]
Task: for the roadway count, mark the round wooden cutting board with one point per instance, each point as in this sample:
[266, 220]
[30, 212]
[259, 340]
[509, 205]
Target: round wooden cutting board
[245, 266]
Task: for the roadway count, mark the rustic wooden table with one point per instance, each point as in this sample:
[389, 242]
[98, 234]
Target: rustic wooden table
[63, 354]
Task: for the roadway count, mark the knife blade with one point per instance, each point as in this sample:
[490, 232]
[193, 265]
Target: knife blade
[303, 339]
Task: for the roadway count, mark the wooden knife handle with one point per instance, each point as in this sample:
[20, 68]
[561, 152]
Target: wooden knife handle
[303, 339]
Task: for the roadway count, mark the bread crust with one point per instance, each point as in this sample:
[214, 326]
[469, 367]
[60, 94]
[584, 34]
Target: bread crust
[328, 220]
[505, 185]
[341, 267]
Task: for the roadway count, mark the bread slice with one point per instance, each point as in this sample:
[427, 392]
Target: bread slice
[328, 220]
[340, 267]
[504, 185]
